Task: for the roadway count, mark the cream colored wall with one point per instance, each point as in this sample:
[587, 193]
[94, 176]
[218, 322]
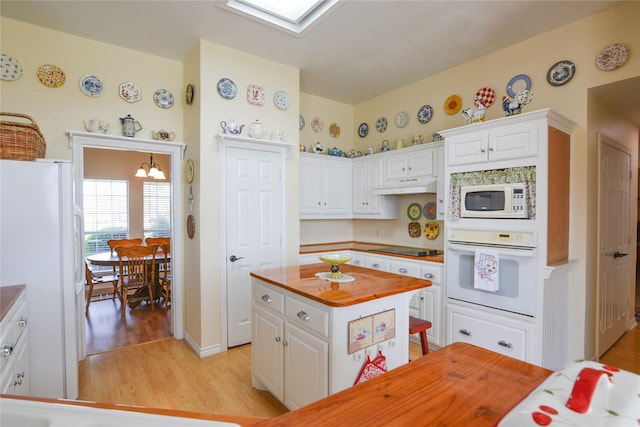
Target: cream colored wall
[217, 62]
[602, 120]
[116, 164]
[329, 112]
[57, 110]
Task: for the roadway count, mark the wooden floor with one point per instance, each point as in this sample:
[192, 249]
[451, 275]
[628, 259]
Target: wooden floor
[166, 373]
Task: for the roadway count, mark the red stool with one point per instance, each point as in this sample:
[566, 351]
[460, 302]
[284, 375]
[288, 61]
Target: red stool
[420, 326]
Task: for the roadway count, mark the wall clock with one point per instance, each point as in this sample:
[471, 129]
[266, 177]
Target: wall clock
[189, 171]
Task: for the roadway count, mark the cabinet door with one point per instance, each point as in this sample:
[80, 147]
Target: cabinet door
[311, 186]
[514, 141]
[467, 149]
[21, 369]
[337, 188]
[421, 163]
[441, 192]
[306, 361]
[373, 173]
[360, 187]
[268, 367]
[395, 167]
[432, 311]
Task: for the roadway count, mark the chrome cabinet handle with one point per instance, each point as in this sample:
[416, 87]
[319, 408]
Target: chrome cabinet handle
[355, 262]
[465, 332]
[403, 270]
[266, 298]
[285, 343]
[278, 339]
[234, 258]
[303, 316]
[483, 150]
[617, 254]
[22, 322]
[505, 344]
[6, 349]
[429, 275]
[375, 265]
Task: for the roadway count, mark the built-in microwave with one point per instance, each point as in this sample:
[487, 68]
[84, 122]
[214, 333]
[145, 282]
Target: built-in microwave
[493, 201]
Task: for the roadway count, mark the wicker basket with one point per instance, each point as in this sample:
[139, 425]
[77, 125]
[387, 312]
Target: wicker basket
[21, 140]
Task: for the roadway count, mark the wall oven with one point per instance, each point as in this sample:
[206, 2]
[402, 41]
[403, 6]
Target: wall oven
[493, 268]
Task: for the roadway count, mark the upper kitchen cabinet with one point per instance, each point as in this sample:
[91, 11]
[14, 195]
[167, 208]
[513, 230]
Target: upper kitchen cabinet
[325, 186]
[367, 175]
[409, 163]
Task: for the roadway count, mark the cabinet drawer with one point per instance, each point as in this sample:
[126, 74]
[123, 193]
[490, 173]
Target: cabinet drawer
[268, 297]
[376, 263]
[431, 273]
[404, 268]
[501, 337]
[307, 316]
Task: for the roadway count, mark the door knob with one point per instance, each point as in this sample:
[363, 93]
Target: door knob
[617, 254]
[234, 258]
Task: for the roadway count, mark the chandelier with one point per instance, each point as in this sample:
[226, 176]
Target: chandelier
[150, 170]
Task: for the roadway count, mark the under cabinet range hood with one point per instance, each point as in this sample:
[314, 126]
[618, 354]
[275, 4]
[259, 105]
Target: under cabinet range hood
[408, 186]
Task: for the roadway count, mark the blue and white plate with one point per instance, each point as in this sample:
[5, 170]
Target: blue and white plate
[301, 122]
[363, 130]
[381, 124]
[91, 85]
[163, 98]
[511, 90]
[425, 113]
[227, 88]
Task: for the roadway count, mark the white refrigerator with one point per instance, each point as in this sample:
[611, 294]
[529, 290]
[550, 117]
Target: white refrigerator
[39, 248]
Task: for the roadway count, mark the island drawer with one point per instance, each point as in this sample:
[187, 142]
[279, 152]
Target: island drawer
[307, 316]
[268, 297]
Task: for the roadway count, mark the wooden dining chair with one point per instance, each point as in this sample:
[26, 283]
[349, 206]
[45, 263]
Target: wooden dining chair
[157, 240]
[137, 271]
[93, 279]
[114, 243]
[165, 273]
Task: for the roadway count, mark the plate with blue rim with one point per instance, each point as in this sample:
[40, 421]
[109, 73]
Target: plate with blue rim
[515, 81]
[227, 88]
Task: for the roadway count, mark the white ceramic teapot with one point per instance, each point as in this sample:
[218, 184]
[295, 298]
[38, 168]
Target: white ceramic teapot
[256, 130]
[231, 127]
[96, 125]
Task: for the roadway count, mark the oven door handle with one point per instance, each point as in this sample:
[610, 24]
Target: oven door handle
[500, 250]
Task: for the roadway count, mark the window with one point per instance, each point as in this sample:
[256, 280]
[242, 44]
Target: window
[106, 213]
[157, 209]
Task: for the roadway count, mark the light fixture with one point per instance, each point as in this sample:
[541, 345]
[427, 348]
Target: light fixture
[150, 169]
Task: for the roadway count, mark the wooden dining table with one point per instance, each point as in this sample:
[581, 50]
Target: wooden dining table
[111, 259]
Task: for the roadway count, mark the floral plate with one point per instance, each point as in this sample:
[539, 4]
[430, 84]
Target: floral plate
[91, 85]
[163, 98]
[431, 230]
[429, 210]
[612, 57]
[414, 229]
[255, 94]
[51, 75]
[11, 68]
[381, 124]
[414, 211]
[317, 124]
[130, 92]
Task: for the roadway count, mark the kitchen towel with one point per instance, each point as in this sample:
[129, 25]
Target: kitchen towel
[486, 271]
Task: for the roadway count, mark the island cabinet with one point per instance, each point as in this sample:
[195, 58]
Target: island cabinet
[14, 376]
[304, 341]
[325, 187]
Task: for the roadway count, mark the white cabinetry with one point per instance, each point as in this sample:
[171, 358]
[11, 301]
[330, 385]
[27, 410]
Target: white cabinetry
[367, 175]
[287, 348]
[409, 164]
[441, 193]
[325, 186]
[14, 377]
[519, 140]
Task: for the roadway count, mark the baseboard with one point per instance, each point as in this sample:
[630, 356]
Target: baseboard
[202, 352]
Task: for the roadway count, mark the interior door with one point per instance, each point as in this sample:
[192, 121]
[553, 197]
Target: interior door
[254, 213]
[615, 276]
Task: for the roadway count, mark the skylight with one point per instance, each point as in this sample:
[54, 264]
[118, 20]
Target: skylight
[291, 15]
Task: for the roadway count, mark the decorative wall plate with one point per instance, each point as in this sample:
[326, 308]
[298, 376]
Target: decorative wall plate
[317, 124]
[452, 104]
[188, 94]
[414, 211]
[485, 96]
[130, 92]
[281, 99]
[10, 68]
[363, 130]
[301, 122]
[516, 84]
[227, 88]
[431, 230]
[415, 230]
[425, 113]
[402, 119]
[612, 57]
[163, 98]
[560, 73]
[51, 75]
[429, 210]
[191, 226]
[381, 124]
[255, 94]
[334, 130]
[189, 171]
[91, 85]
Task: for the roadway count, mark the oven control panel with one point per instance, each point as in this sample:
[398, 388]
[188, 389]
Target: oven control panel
[493, 237]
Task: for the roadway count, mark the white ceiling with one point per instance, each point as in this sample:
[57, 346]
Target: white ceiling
[361, 49]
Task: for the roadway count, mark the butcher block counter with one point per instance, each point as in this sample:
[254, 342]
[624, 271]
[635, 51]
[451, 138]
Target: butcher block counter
[458, 385]
[311, 336]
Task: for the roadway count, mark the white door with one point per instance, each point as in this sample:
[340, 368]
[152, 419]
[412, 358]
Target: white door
[614, 277]
[254, 213]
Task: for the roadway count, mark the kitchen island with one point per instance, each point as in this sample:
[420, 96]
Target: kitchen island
[311, 336]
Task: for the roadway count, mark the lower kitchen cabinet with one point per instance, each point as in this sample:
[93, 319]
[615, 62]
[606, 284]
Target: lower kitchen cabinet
[488, 329]
[14, 351]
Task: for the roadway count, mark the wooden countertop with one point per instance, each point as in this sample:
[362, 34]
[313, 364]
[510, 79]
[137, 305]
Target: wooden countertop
[368, 285]
[364, 247]
[8, 296]
[458, 385]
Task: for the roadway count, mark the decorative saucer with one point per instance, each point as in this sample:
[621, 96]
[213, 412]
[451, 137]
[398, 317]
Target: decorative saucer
[560, 73]
[51, 75]
[612, 57]
[381, 124]
[227, 88]
[10, 67]
[363, 130]
[425, 113]
[130, 92]
[163, 98]
[91, 85]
